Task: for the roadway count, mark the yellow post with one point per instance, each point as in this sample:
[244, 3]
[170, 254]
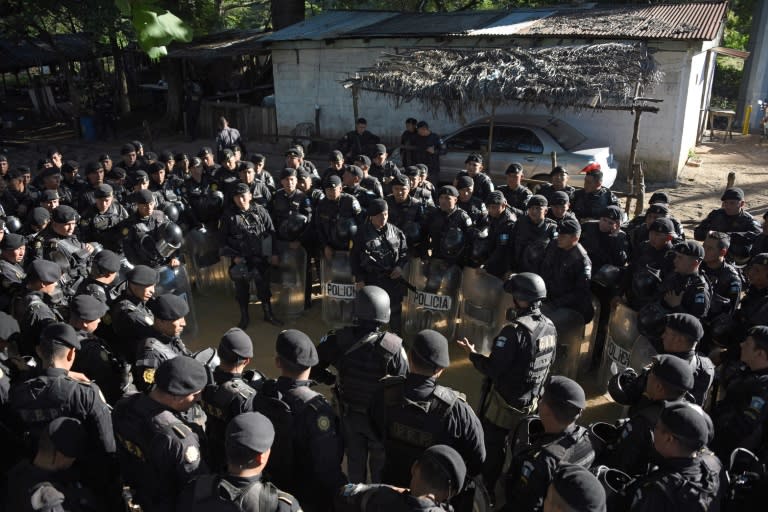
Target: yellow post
[745, 124]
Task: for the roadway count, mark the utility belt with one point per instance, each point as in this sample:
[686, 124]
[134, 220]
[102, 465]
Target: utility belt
[503, 415]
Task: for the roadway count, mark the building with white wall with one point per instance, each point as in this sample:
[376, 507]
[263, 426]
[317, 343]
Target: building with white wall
[312, 58]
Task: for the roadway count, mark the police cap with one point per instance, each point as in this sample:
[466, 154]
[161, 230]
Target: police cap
[733, 193]
[240, 188]
[514, 168]
[612, 212]
[685, 324]
[44, 270]
[432, 347]
[117, 173]
[474, 157]
[690, 248]
[376, 207]
[287, 173]
[673, 370]
[12, 241]
[402, 180]
[380, 149]
[295, 347]
[354, 171]
[237, 342]
[156, 167]
[49, 195]
[759, 333]
[169, 307]
[302, 174]
[422, 124]
[579, 488]
[559, 169]
[104, 157]
[335, 156]
[564, 391]
[332, 181]
[250, 431]
[450, 461]
[8, 326]
[293, 152]
[448, 190]
[102, 191]
[204, 151]
[50, 171]
[659, 197]
[140, 176]
[537, 200]
[363, 159]
[464, 181]
[686, 422]
[142, 275]
[39, 216]
[144, 197]
[759, 259]
[166, 156]
[67, 435]
[495, 197]
[87, 307]
[559, 198]
[93, 167]
[570, 226]
[63, 214]
[662, 225]
[412, 171]
[70, 166]
[59, 333]
[181, 376]
[659, 209]
[107, 260]
[127, 148]
[227, 154]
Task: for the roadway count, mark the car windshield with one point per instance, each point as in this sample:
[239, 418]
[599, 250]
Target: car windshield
[566, 135]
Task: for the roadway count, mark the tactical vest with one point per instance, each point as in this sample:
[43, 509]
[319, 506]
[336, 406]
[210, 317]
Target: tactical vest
[412, 427]
[362, 366]
[685, 495]
[381, 249]
[218, 401]
[41, 400]
[212, 492]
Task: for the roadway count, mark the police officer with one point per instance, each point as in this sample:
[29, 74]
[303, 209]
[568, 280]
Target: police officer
[94, 175]
[247, 233]
[228, 395]
[132, 318]
[249, 439]
[362, 354]
[588, 202]
[130, 155]
[382, 168]
[165, 340]
[574, 488]
[227, 175]
[724, 278]
[413, 412]
[559, 183]
[500, 233]
[559, 207]
[378, 256]
[638, 228]
[95, 358]
[56, 392]
[407, 213]
[204, 202]
[103, 221]
[604, 241]
[470, 202]
[678, 437]
[40, 305]
[368, 182]
[147, 229]
[514, 191]
[731, 218]
[686, 290]
[12, 251]
[558, 440]
[308, 448]
[100, 282]
[352, 179]
[259, 190]
[515, 370]
[532, 234]
[482, 184]
[740, 418]
[654, 254]
[357, 141]
[448, 228]
[418, 191]
[159, 452]
[681, 334]
[336, 218]
[436, 477]
[630, 444]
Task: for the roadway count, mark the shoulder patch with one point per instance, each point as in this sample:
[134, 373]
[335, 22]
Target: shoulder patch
[323, 423]
[149, 375]
[757, 403]
[192, 454]
[501, 341]
[126, 231]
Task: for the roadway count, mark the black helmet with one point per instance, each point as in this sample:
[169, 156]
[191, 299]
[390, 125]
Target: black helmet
[371, 303]
[614, 482]
[526, 286]
[168, 239]
[12, 224]
[481, 248]
[346, 228]
[412, 231]
[622, 385]
[645, 282]
[608, 276]
[292, 227]
[171, 211]
[452, 242]
[239, 272]
[650, 319]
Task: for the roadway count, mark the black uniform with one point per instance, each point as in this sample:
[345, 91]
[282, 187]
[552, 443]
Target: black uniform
[696, 293]
[604, 248]
[409, 216]
[227, 493]
[482, 186]
[354, 143]
[30, 485]
[139, 241]
[501, 244]
[548, 191]
[740, 418]
[384, 173]
[742, 228]
[632, 452]
[678, 485]
[328, 216]
[50, 246]
[150, 354]
[204, 206]
[567, 275]
[726, 282]
[363, 196]
[515, 371]
[284, 205]
[530, 243]
[476, 210]
[637, 230]
[34, 311]
[383, 498]
[589, 205]
[372, 184]
[11, 282]
[439, 224]
[105, 228]
[518, 198]
[96, 360]
[159, 452]
[131, 321]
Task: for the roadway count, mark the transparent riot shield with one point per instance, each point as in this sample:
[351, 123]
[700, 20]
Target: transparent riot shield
[207, 271]
[482, 308]
[287, 282]
[434, 304]
[642, 353]
[338, 289]
[176, 281]
[622, 336]
[570, 339]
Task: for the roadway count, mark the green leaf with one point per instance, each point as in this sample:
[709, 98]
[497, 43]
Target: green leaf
[155, 32]
[156, 52]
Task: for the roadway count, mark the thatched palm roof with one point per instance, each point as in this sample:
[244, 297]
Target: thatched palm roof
[604, 75]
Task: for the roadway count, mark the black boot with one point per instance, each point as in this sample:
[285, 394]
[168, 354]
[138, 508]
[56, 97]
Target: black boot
[269, 316]
[245, 319]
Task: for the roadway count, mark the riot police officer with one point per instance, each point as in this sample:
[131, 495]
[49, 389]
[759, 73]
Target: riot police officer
[553, 438]
[336, 218]
[724, 278]
[682, 333]
[418, 191]
[515, 370]
[559, 207]
[368, 182]
[259, 190]
[229, 394]
[247, 233]
[731, 218]
[100, 282]
[288, 201]
[40, 305]
[574, 488]
[588, 202]
[382, 168]
[448, 228]
[159, 452]
[103, 222]
[638, 228]
[604, 241]
[501, 230]
[308, 448]
[686, 290]
[150, 239]
[532, 234]
[753, 309]
[249, 439]
[482, 184]
[470, 203]
[132, 318]
[378, 256]
[516, 194]
[85, 196]
[165, 340]
[559, 183]
[654, 255]
[362, 354]
[204, 202]
[407, 213]
[12, 251]
[352, 180]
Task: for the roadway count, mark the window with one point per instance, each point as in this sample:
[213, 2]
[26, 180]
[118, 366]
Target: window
[471, 139]
[509, 139]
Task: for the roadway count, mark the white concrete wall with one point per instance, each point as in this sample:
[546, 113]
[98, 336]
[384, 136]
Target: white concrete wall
[309, 75]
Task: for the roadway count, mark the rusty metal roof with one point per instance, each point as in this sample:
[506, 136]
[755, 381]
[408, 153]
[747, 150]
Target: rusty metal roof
[428, 24]
[329, 25]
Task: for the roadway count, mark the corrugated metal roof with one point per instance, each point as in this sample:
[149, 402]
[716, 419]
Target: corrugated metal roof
[329, 25]
[687, 21]
[16, 54]
[428, 24]
[512, 23]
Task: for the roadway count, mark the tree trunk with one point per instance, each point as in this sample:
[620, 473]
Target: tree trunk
[286, 12]
[121, 81]
[174, 107]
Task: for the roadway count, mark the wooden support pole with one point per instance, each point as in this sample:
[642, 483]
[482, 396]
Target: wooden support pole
[553, 156]
[355, 100]
[639, 186]
[731, 180]
[489, 150]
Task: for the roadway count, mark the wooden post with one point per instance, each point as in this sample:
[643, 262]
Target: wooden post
[639, 186]
[632, 178]
[731, 180]
[553, 156]
[487, 164]
[355, 99]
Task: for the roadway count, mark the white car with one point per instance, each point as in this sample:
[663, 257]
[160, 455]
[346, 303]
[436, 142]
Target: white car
[528, 140]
